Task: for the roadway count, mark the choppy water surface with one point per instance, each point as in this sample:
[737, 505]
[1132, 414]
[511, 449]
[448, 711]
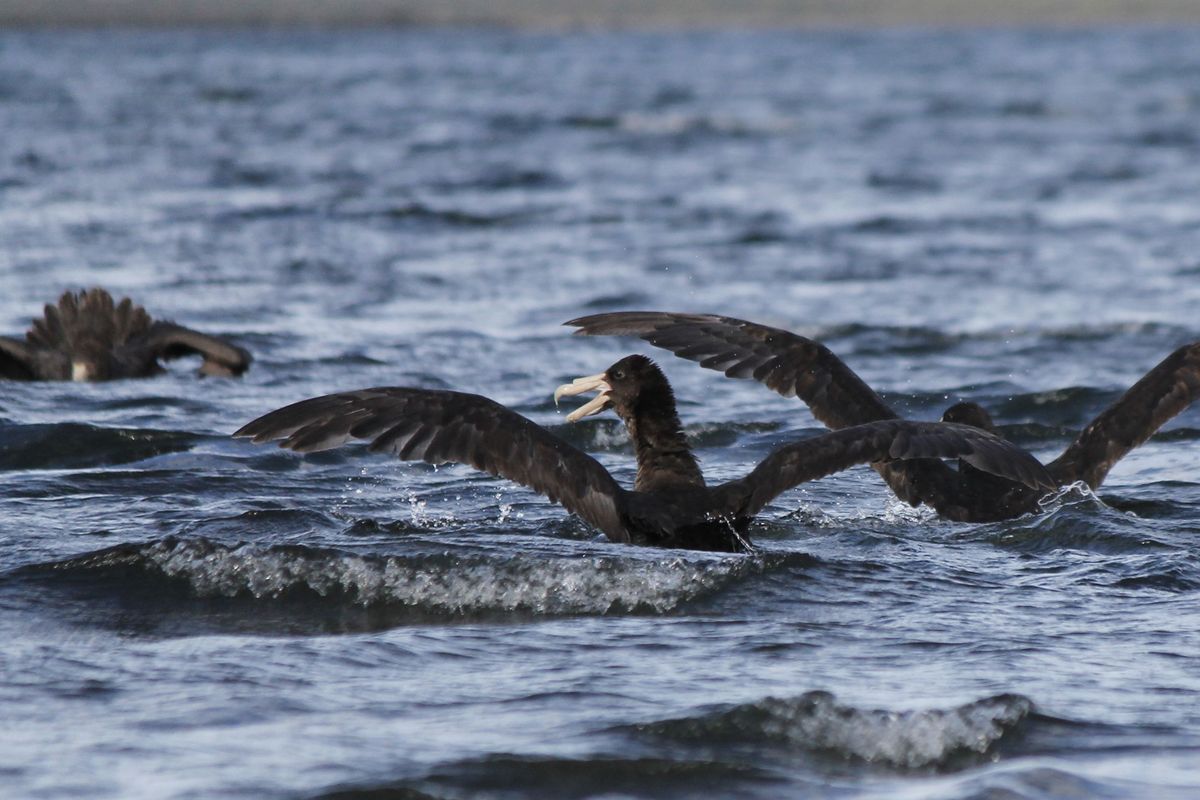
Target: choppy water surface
[1003, 217]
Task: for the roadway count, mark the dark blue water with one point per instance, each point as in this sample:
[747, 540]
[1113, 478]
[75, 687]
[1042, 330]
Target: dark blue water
[1006, 217]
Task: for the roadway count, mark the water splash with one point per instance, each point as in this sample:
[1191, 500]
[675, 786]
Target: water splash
[424, 517]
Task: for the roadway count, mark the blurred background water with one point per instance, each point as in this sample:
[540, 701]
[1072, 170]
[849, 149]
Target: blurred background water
[1008, 217]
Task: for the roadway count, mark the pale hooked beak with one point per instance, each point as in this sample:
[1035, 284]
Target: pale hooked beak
[581, 385]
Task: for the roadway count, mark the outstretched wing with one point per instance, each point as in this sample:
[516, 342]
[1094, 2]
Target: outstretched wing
[16, 360]
[167, 340]
[784, 362]
[1165, 391]
[883, 441]
[441, 426]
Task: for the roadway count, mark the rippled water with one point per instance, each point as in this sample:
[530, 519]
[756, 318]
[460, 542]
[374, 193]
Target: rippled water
[1006, 217]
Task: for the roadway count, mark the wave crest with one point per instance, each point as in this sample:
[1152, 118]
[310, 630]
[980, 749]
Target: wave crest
[443, 584]
[931, 738]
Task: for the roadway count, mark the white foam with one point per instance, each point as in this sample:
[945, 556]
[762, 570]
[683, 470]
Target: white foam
[905, 739]
[447, 584]
[896, 512]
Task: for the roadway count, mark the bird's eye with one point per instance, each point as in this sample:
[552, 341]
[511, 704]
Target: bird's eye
[619, 374]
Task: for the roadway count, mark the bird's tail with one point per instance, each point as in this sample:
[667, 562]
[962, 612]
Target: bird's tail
[88, 317]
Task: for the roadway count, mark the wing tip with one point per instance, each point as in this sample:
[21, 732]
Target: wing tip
[595, 324]
[251, 431]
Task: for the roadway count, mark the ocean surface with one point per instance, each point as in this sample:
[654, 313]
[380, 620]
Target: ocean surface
[1008, 217]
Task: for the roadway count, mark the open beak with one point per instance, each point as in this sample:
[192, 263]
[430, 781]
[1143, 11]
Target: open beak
[581, 385]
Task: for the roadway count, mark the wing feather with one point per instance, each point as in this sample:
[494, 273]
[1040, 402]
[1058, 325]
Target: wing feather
[440, 426]
[1163, 392]
[786, 362]
[166, 340]
[882, 441]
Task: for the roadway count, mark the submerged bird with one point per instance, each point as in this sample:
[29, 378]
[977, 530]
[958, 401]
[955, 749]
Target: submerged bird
[670, 504]
[793, 365]
[88, 337]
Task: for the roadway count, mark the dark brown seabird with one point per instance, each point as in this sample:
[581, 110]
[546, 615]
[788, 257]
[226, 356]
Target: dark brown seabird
[88, 337]
[794, 365]
[669, 505]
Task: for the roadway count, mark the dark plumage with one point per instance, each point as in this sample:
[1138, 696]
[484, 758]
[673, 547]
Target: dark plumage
[670, 505]
[793, 365]
[88, 337]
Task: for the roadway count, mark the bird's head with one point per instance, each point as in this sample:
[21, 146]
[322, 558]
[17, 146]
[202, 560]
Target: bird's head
[971, 414]
[625, 387]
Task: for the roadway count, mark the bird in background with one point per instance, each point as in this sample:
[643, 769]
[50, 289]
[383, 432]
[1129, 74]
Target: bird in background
[87, 336]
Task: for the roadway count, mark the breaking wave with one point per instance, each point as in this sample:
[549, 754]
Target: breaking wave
[907, 740]
[440, 584]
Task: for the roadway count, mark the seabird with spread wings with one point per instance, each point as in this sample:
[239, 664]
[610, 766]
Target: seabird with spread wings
[794, 365]
[670, 505]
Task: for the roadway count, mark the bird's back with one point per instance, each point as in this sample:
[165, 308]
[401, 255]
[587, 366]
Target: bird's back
[80, 335]
[688, 517]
